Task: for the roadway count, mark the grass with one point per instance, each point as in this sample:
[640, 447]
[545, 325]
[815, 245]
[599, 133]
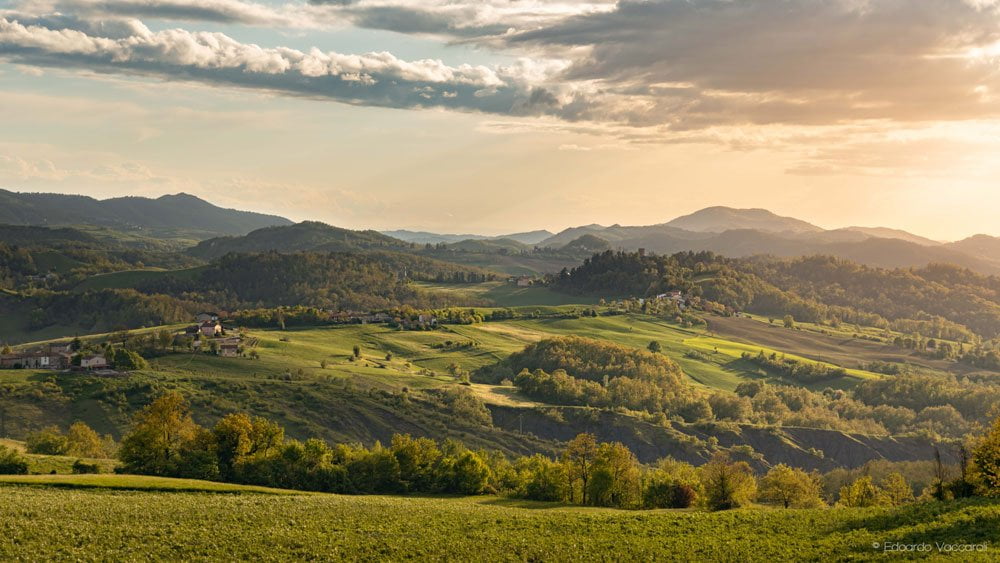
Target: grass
[83, 524]
[136, 483]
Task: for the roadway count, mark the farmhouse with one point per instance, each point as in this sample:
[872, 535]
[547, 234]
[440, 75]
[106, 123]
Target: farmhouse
[93, 361]
[210, 328]
[229, 350]
[524, 281]
[53, 358]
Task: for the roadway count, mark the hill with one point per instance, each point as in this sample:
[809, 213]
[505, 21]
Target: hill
[180, 215]
[983, 246]
[423, 237]
[310, 236]
[719, 219]
[883, 232]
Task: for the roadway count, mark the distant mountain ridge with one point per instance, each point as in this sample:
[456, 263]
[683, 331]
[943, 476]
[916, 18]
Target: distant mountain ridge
[748, 232]
[719, 219]
[178, 215]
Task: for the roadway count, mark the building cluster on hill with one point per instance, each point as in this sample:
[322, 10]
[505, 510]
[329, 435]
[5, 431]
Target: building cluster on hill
[56, 356]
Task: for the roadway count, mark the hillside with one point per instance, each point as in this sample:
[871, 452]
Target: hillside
[310, 236]
[178, 216]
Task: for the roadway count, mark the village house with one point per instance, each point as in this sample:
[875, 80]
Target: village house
[93, 361]
[52, 358]
[210, 328]
[524, 281]
[229, 350]
[206, 317]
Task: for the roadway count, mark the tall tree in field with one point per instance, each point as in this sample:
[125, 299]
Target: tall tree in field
[897, 491]
[792, 488]
[862, 493]
[160, 432]
[728, 484]
[615, 479]
[579, 459]
[986, 461]
[84, 442]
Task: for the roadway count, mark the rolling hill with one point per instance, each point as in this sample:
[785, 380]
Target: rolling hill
[310, 236]
[179, 215]
[423, 237]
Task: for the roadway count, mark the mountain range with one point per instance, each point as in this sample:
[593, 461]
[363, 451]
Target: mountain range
[176, 216]
[724, 230]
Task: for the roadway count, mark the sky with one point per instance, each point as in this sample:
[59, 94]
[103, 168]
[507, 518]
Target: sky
[498, 116]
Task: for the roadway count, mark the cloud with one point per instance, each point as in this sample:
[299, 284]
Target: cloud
[290, 15]
[377, 78]
[811, 62]
[671, 69]
[443, 18]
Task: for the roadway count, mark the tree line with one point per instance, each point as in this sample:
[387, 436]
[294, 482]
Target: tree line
[165, 441]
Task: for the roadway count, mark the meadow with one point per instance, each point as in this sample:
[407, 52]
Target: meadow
[41, 522]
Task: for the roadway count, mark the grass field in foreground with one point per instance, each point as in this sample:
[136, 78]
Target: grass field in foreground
[135, 482]
[43, 523]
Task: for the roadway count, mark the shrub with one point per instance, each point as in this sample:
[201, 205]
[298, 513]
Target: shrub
[12, 462]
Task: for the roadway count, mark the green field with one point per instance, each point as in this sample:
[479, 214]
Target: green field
[131, 278]
[503, 294]
[42, 522]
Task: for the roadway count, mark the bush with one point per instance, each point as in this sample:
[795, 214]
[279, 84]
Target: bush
[81, 467]
[12, 462]
[47, 441]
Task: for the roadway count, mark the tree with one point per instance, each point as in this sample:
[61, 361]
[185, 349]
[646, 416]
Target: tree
[233, 441]
[790, 487]
[672, 484]
[862, 493]
[164, 338]
[47, 441]
[896, 490]
[727, 484]
[6, 350]
[84, 442]
[128, 360]
[160, 434]
[615, 479]
[578, 457]
[417, 458]
[357, 351]
[540, 478]
[654, 347]
[12, 462]
[789, 321]
[986, 461]
[470, 474]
